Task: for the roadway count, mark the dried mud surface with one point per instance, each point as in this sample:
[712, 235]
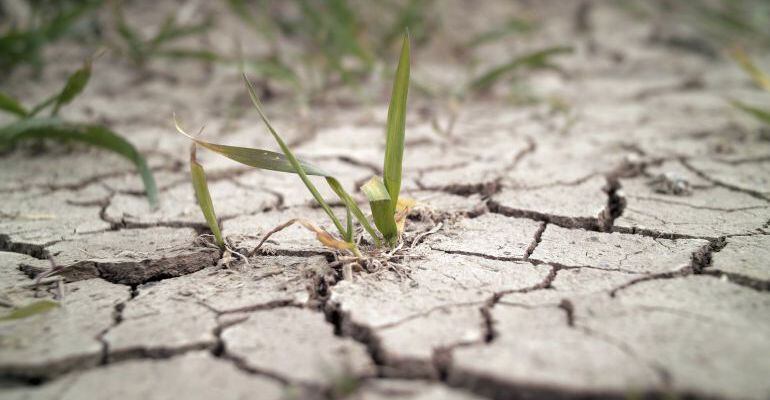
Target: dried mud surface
[562, 265]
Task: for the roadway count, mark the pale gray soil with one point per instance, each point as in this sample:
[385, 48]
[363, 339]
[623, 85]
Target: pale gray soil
[618, 250]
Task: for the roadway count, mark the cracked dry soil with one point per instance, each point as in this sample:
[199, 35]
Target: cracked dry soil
[561, 269]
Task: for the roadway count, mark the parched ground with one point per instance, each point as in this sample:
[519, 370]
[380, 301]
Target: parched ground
[616, 249]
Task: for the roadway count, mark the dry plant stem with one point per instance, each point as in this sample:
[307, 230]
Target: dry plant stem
[324, 237]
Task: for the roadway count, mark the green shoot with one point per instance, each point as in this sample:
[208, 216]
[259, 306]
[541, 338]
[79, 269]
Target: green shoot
[34, 308]
[394, 143]
[535, 60]
[333, 182]
[29, 126]
[204, 197]
[389, 212]
[264, 159]
[383, 198]
[382, 210]
[293, 160]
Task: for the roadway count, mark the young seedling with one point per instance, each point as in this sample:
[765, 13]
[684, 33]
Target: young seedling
[387, 208]
[31, 126]
[198, 176]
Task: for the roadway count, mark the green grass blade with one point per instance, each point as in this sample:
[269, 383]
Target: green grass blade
[353, 207]
[382, 213]
[204, 197]
[74, 86]
[257, 158]
[760, 114]
[533, 60]
[31, 309]
[269, 160]
[760, 78]
[293, 160]
[349, 224]
[512, 26]
[54, 128]
[11, 105]
[394, 142]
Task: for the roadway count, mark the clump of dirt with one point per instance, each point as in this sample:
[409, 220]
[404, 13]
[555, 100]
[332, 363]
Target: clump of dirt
[670, 183]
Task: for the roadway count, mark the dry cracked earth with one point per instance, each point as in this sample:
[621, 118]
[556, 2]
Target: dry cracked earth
[617, 250]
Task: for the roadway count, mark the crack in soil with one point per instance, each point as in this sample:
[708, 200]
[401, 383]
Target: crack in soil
[703, 175]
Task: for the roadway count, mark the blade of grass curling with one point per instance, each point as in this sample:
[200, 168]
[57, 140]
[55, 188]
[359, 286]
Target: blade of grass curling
[394, 142]
[100, 136]
[257, 158]
[379, 202]
[293, 160]
[204, 197]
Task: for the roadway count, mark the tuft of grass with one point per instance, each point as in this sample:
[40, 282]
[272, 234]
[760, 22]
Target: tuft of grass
[30, 126]
[388, 210]
[140, 50]
[24, 41]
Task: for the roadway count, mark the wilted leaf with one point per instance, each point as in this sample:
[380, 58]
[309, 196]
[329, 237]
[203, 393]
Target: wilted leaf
[324, 237]
[403, 208]
[54, 128]
[204, 197]
[37, 307]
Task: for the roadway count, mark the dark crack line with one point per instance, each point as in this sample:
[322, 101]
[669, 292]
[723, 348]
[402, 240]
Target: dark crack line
[703, 175]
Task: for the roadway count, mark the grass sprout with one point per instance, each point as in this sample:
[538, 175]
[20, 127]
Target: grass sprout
[30, 126]
[387, 208]
[201, 188]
